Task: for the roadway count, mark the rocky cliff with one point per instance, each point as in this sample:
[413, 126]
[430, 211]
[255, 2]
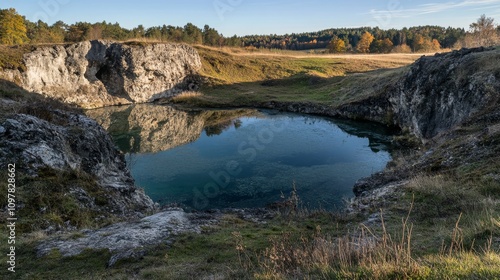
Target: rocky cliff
[442, 91]
[434, 95]
[451, 103]
[99, 73]
[66, 160]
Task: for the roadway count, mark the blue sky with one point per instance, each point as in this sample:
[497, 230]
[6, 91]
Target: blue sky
[244, 17]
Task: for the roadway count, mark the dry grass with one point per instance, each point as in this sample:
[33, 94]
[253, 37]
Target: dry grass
[381, 256]
[403, 58]
[368, 255]
[186, 95]
[392, 249]
[245, 80]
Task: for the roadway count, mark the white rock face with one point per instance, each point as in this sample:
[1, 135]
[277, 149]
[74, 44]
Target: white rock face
[80, 145]
[94, 74]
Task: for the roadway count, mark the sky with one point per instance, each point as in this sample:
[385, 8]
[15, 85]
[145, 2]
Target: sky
[248, 17]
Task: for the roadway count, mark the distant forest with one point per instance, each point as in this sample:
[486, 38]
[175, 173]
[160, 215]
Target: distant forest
[16, 29]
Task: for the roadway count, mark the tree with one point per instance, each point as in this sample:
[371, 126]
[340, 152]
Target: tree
[12, 28]
[138, 32]
[337, 45]
[192, 34]
[154, 33]
[382, 46]
[435, 45]
[95, 32]
[365, 42]
[211, 37]
[114, 31]
[404, 48]
[234, 41]
[174, 34]
[484, 31]
[40, 32]
[78, 32]
[424, 44]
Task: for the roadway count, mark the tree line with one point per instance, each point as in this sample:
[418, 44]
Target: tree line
[16, 29]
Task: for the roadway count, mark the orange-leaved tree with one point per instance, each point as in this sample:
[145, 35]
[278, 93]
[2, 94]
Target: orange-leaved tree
[365, 42]
[337, 45]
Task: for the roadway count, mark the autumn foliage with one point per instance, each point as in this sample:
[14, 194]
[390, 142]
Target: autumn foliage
[365, 42]
[337, 45]
[12, 28]
[16, 30]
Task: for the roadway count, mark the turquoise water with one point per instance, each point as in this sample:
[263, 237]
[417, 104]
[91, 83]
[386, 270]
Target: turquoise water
[249, 159]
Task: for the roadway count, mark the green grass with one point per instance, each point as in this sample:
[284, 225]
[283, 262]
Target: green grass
[191, 256]
[304, 245]
[11, 57]
[47, 201]
[234, 80]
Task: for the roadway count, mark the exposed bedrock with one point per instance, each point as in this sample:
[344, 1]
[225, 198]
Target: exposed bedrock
[94, 74]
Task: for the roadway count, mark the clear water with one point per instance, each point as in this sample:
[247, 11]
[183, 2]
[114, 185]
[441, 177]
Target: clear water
[252, 159]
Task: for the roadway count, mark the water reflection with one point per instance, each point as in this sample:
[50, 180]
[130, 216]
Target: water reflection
[147, 128]
[243, 158]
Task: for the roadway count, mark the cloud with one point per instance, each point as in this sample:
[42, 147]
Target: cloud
[432, 8]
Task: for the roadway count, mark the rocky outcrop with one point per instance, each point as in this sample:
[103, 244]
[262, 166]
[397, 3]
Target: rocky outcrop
[132, 240]
[128, 239]
[442, 91]
[72, 142]
[99, 73]
[450, 102]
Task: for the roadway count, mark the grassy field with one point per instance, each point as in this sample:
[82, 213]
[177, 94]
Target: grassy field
[237, 78]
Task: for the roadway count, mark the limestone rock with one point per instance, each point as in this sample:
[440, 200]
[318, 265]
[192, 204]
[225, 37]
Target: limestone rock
[442, 91]
[78, 144]
[94, 74]
[127, 240]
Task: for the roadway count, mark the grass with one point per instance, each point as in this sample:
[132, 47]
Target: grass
[298, 245]
[11, 57]
[243, 79]
[48, 201]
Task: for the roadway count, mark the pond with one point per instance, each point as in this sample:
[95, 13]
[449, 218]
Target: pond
[243, 158]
